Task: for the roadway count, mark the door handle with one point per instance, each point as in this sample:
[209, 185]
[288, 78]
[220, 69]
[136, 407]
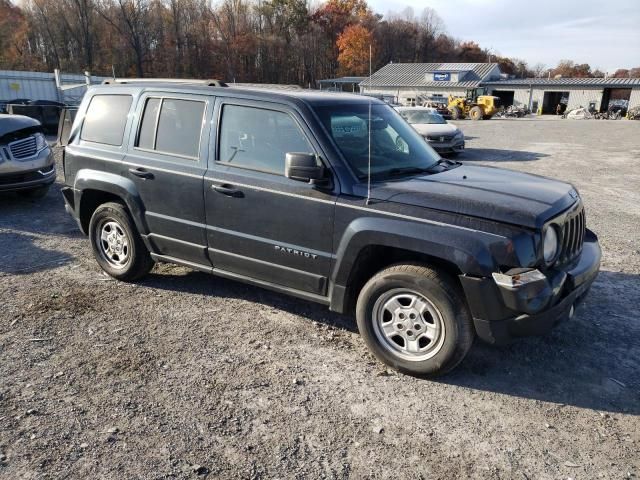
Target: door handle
[227, 189]
[142, 173]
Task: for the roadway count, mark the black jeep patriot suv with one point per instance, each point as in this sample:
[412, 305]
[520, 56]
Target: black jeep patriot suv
[333, 198]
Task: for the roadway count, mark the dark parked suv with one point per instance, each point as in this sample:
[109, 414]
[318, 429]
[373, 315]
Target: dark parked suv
[331, 198]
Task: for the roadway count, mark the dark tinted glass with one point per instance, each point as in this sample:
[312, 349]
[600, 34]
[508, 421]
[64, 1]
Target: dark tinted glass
[179, 127]
[106, 118]
[148, 127]
[378, 134]
[258, 138]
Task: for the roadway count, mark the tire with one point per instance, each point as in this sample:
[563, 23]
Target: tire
[456, 113]
[475, 113]
[35, 193]
[116, 243]
[424, 300]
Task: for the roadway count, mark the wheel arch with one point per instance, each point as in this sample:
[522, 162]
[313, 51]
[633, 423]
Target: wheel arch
[375, 258]
[373, 244]
[94, 188]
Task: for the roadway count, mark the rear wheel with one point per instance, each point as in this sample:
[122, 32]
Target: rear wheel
[414, 319]
[476, 113]
[117, 246]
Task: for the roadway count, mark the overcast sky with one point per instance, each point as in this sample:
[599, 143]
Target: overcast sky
[604, 34]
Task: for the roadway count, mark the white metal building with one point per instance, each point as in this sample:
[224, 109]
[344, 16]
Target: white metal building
[407, 82]
[42, 86]
[544, 94]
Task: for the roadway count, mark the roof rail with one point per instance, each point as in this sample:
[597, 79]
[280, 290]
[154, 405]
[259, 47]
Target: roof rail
[208, 83]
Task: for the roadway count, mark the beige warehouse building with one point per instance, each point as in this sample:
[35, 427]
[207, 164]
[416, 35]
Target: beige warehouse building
[408, 83]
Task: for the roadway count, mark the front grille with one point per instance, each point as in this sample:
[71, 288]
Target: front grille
[572, 234]
[23, 148]
[439, 138]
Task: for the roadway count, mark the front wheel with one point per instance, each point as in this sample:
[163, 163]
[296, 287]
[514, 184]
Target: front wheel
[457, 113]
[475, 113]
[117, 246]
[414, 319]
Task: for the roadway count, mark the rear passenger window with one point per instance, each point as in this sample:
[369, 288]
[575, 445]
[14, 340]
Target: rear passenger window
[106, 118]
[176, 130]
[257, 138]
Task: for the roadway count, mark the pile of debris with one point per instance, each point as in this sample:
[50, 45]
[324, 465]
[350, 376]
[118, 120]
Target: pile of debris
[512, 112]
[634, 113]
[614, 112]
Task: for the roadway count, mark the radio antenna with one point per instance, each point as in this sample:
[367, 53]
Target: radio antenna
[369, 129]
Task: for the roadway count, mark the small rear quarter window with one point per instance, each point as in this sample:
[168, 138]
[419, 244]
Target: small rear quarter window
[106, 119]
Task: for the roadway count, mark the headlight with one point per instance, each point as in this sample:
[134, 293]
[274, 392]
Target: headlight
[459, 134]
[41, 142]
[551, 245]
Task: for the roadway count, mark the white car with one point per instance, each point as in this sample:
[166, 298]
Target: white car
[443, 137]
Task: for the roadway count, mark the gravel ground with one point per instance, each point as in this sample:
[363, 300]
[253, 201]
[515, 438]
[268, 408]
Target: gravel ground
[189, 376]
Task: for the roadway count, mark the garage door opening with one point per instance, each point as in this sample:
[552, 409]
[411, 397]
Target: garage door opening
[505, 96]
[551, 100]
[615, 97]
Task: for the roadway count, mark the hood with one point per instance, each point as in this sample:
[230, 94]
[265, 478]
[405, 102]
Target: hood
[434, 128]
[492, 193]
[13, 123]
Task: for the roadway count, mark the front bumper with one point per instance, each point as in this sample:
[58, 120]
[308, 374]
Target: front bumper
[500, 314]
[23, 175]
[454, 146]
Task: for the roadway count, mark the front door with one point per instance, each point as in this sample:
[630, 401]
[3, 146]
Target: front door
[167, 162]
[261, 224]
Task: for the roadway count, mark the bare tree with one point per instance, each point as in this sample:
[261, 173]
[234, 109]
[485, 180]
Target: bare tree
[78, 18]
[131, 19]
[539, 70]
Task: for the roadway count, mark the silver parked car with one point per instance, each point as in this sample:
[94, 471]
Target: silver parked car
[444, 137]
[26, 161]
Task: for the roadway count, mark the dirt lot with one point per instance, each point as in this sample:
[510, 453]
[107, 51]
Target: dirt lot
[189, 376]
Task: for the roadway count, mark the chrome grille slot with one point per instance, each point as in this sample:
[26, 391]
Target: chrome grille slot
[444, 137]
[23, 148]
[573, 231]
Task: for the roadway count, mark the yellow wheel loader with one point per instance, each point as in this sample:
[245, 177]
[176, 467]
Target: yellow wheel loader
[476, 105]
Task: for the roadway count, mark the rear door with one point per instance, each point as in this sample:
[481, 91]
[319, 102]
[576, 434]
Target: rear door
[167, 161]
[261, 224]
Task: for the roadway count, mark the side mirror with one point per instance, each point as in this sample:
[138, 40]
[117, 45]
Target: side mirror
[303, 167]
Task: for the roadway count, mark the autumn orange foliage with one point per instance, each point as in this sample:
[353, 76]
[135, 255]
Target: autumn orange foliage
[13, 34]
[353, 46]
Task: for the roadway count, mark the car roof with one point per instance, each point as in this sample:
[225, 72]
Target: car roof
[310, 97]
[417, 109]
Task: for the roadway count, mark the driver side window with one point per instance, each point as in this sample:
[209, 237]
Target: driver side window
[258, 138]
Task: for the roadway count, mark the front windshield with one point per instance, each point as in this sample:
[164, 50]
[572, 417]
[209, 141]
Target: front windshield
[396, 148]
[420, 117]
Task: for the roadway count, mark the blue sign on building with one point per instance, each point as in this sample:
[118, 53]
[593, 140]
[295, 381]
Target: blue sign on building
[442, 76]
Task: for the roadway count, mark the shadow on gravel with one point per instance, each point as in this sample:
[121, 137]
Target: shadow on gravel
[496, 155]
[591, 361]
[205, 284]
[43, 216]
[25, 256]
